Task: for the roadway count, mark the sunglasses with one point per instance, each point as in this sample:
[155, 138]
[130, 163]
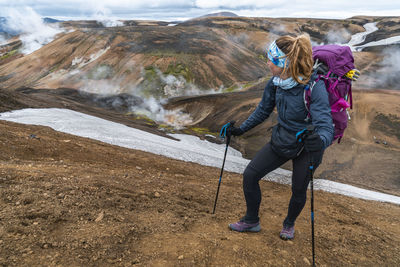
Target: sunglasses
[274, 60]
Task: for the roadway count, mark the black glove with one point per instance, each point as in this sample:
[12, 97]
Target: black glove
[313, 143]
[235, 131]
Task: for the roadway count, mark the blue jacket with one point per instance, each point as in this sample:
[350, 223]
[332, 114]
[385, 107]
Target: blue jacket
[292, 114]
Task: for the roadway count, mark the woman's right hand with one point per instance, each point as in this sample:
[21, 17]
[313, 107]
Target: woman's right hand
[235, 131]
[229, 130]
[313, 143]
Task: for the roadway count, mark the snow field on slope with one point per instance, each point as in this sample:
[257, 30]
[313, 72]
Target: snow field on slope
[186, 148]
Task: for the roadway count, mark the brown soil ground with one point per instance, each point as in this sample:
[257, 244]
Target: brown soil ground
[71, 201]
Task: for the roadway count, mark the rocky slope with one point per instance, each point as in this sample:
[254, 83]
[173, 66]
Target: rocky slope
[71, 201]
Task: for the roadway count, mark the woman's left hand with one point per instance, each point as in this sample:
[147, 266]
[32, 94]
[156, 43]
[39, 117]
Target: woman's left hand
[313, 143]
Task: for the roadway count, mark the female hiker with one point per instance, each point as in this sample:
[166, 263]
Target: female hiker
[290, 62]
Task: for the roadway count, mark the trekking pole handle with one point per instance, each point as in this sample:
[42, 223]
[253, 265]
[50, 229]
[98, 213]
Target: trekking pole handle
[228, 139]
[225, 128]
[310, 129]
[303, 134]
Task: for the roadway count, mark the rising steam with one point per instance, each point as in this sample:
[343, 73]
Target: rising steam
[29, 25]
[146, 98]
[388, 76]
[103, 16]
[338, 36]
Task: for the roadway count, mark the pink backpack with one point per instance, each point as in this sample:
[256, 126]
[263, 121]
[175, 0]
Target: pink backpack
[332, 62]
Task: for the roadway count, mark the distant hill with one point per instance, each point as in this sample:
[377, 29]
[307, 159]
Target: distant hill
[220, 14]
[50, 20]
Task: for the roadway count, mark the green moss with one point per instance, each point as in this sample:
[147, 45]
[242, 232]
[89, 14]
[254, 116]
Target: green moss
[152, 84]
[163, 53]
[231, 89]
[143, 117]
[9, 54]
[180, 70]
[236, 87]
[247, 85]
[167, 128]
[199, 131]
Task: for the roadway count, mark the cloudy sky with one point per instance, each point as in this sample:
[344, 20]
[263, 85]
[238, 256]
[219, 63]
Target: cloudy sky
[184, 9]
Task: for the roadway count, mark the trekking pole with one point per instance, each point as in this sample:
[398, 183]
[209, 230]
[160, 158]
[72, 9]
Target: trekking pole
[312, 205]
[300, 137]
[310, 130]
[228, 139]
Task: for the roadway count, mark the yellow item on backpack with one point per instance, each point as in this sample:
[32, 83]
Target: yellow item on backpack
[353, 74]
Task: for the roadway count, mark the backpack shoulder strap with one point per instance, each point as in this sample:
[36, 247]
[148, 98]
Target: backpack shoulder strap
[307, 93]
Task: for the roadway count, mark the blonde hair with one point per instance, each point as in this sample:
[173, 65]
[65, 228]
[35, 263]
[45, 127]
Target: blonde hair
[299, 52]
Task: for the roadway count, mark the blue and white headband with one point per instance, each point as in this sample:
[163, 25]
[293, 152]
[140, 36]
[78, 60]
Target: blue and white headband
[277, 56]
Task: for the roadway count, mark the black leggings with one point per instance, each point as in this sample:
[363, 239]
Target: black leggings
[265, 161]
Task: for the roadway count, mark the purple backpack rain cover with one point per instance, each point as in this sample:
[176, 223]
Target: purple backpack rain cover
[339, 60]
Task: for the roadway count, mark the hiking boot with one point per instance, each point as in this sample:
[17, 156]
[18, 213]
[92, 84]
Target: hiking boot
[287, 233]
[242, 226]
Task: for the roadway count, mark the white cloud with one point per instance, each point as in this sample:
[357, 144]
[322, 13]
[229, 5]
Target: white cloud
[92, 4]
[184, 9]
[237, 3]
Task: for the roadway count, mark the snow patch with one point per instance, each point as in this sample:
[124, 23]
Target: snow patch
[186, 148]
[80, 62]
[358, 38]
[388, 41]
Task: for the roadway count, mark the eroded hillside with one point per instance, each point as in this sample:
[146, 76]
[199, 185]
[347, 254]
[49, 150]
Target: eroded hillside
[196, 55]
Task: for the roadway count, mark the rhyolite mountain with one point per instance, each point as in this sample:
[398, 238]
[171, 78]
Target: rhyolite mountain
[205, 53]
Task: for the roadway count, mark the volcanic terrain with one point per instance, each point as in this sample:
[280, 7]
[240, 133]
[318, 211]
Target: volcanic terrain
[72, 201]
